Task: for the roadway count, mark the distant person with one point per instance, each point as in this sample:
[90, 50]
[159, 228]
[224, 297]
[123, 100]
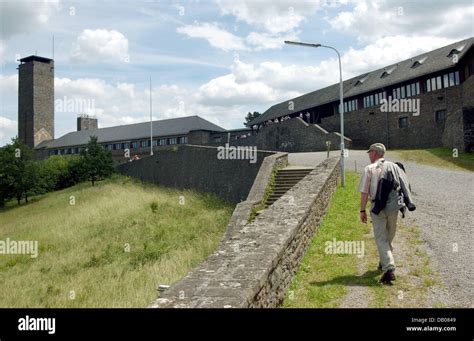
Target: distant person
[386, 185]
[135, 158]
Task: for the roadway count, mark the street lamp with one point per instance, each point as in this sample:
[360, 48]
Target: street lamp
[151, 123]
[341, 104]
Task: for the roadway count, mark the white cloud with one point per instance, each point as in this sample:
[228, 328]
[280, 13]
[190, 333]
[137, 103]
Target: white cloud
[272, 16]
[370, 20]
[8, 129]
[226, 90]
[226, 41]
[387, 50]
[101, 46]
[267, 41]
[8, 108]
[269, 82]
[216, 36]
[2, 52]
[22, 16]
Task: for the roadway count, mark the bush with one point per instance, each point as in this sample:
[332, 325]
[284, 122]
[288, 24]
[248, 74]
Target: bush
[58, 172]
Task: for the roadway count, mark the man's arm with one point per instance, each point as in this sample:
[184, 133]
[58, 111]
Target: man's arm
[363, 203]
[364, 186]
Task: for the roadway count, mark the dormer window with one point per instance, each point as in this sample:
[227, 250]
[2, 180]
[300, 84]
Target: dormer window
[456, 50]
[418, 62]
[360, 81]
[388, 72]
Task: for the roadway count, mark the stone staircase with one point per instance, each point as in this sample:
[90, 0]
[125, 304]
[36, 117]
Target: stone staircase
[285, 179]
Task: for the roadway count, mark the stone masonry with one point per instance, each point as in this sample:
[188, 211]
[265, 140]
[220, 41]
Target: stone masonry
[294, 135]
[36, 101]
[255, 266]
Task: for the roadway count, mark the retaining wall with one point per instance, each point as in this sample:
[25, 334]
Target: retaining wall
[255, 265]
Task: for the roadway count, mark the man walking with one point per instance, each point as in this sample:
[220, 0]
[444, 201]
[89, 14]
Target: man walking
[386, 185]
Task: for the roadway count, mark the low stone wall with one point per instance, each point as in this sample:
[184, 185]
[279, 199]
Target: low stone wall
[197, 167]
[293, 136]
[243, 209]
[255, 265]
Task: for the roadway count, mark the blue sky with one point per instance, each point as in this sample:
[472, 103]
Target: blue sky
[217, 59]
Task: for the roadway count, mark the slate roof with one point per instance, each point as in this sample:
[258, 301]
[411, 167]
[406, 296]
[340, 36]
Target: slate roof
[129, 132]
[425, 63]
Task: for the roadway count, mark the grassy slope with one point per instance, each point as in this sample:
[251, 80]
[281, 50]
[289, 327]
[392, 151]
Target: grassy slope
[83, 247]
[440, 157]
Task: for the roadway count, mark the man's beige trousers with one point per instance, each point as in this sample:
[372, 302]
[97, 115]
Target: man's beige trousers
[385, 226]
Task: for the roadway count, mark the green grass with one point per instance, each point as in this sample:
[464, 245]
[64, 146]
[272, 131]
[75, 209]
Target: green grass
[322, 280]
[112, 248]
[439, 157]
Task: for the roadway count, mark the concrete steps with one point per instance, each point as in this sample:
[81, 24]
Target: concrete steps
[285, 179]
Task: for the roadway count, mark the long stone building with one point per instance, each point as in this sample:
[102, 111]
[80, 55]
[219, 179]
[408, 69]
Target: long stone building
[422, 102]
[440, 82]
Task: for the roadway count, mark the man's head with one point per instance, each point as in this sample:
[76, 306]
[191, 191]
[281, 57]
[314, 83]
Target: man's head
[376, 151]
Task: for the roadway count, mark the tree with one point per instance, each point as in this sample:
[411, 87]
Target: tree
[250, 117]
[18, 175]
[7, 181]
[96, 162]
[30, 181]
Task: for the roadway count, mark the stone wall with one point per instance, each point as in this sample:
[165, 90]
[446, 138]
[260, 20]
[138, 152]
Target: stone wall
[294, 135]
[36, 102]
[255, 266]
[197, 167]
[256, 195]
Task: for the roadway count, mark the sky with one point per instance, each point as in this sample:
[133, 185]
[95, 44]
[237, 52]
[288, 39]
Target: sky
[218, 59]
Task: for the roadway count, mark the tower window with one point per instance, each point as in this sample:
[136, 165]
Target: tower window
[440, 116]
[403, 122]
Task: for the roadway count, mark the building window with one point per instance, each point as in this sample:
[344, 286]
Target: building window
[118, 146]
[182, 140]
[456, 78]
[155, 142]
[126, 145]
[444, 81]
[440, 116]
[409, 90]
[350, 105]
[439, 84]
[162, 142]
[371, 100]
[403, 122]
[135, 145]
[172, 140]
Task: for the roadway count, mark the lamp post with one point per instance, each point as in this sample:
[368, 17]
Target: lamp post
[151, 124]
[341, 104]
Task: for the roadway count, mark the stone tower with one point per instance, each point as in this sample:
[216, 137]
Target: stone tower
[86, 122]
[35, 100]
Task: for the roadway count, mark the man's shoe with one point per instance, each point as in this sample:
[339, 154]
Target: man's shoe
[388, 277]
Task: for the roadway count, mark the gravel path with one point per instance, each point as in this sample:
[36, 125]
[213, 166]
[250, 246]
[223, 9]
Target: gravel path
[444, 200]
